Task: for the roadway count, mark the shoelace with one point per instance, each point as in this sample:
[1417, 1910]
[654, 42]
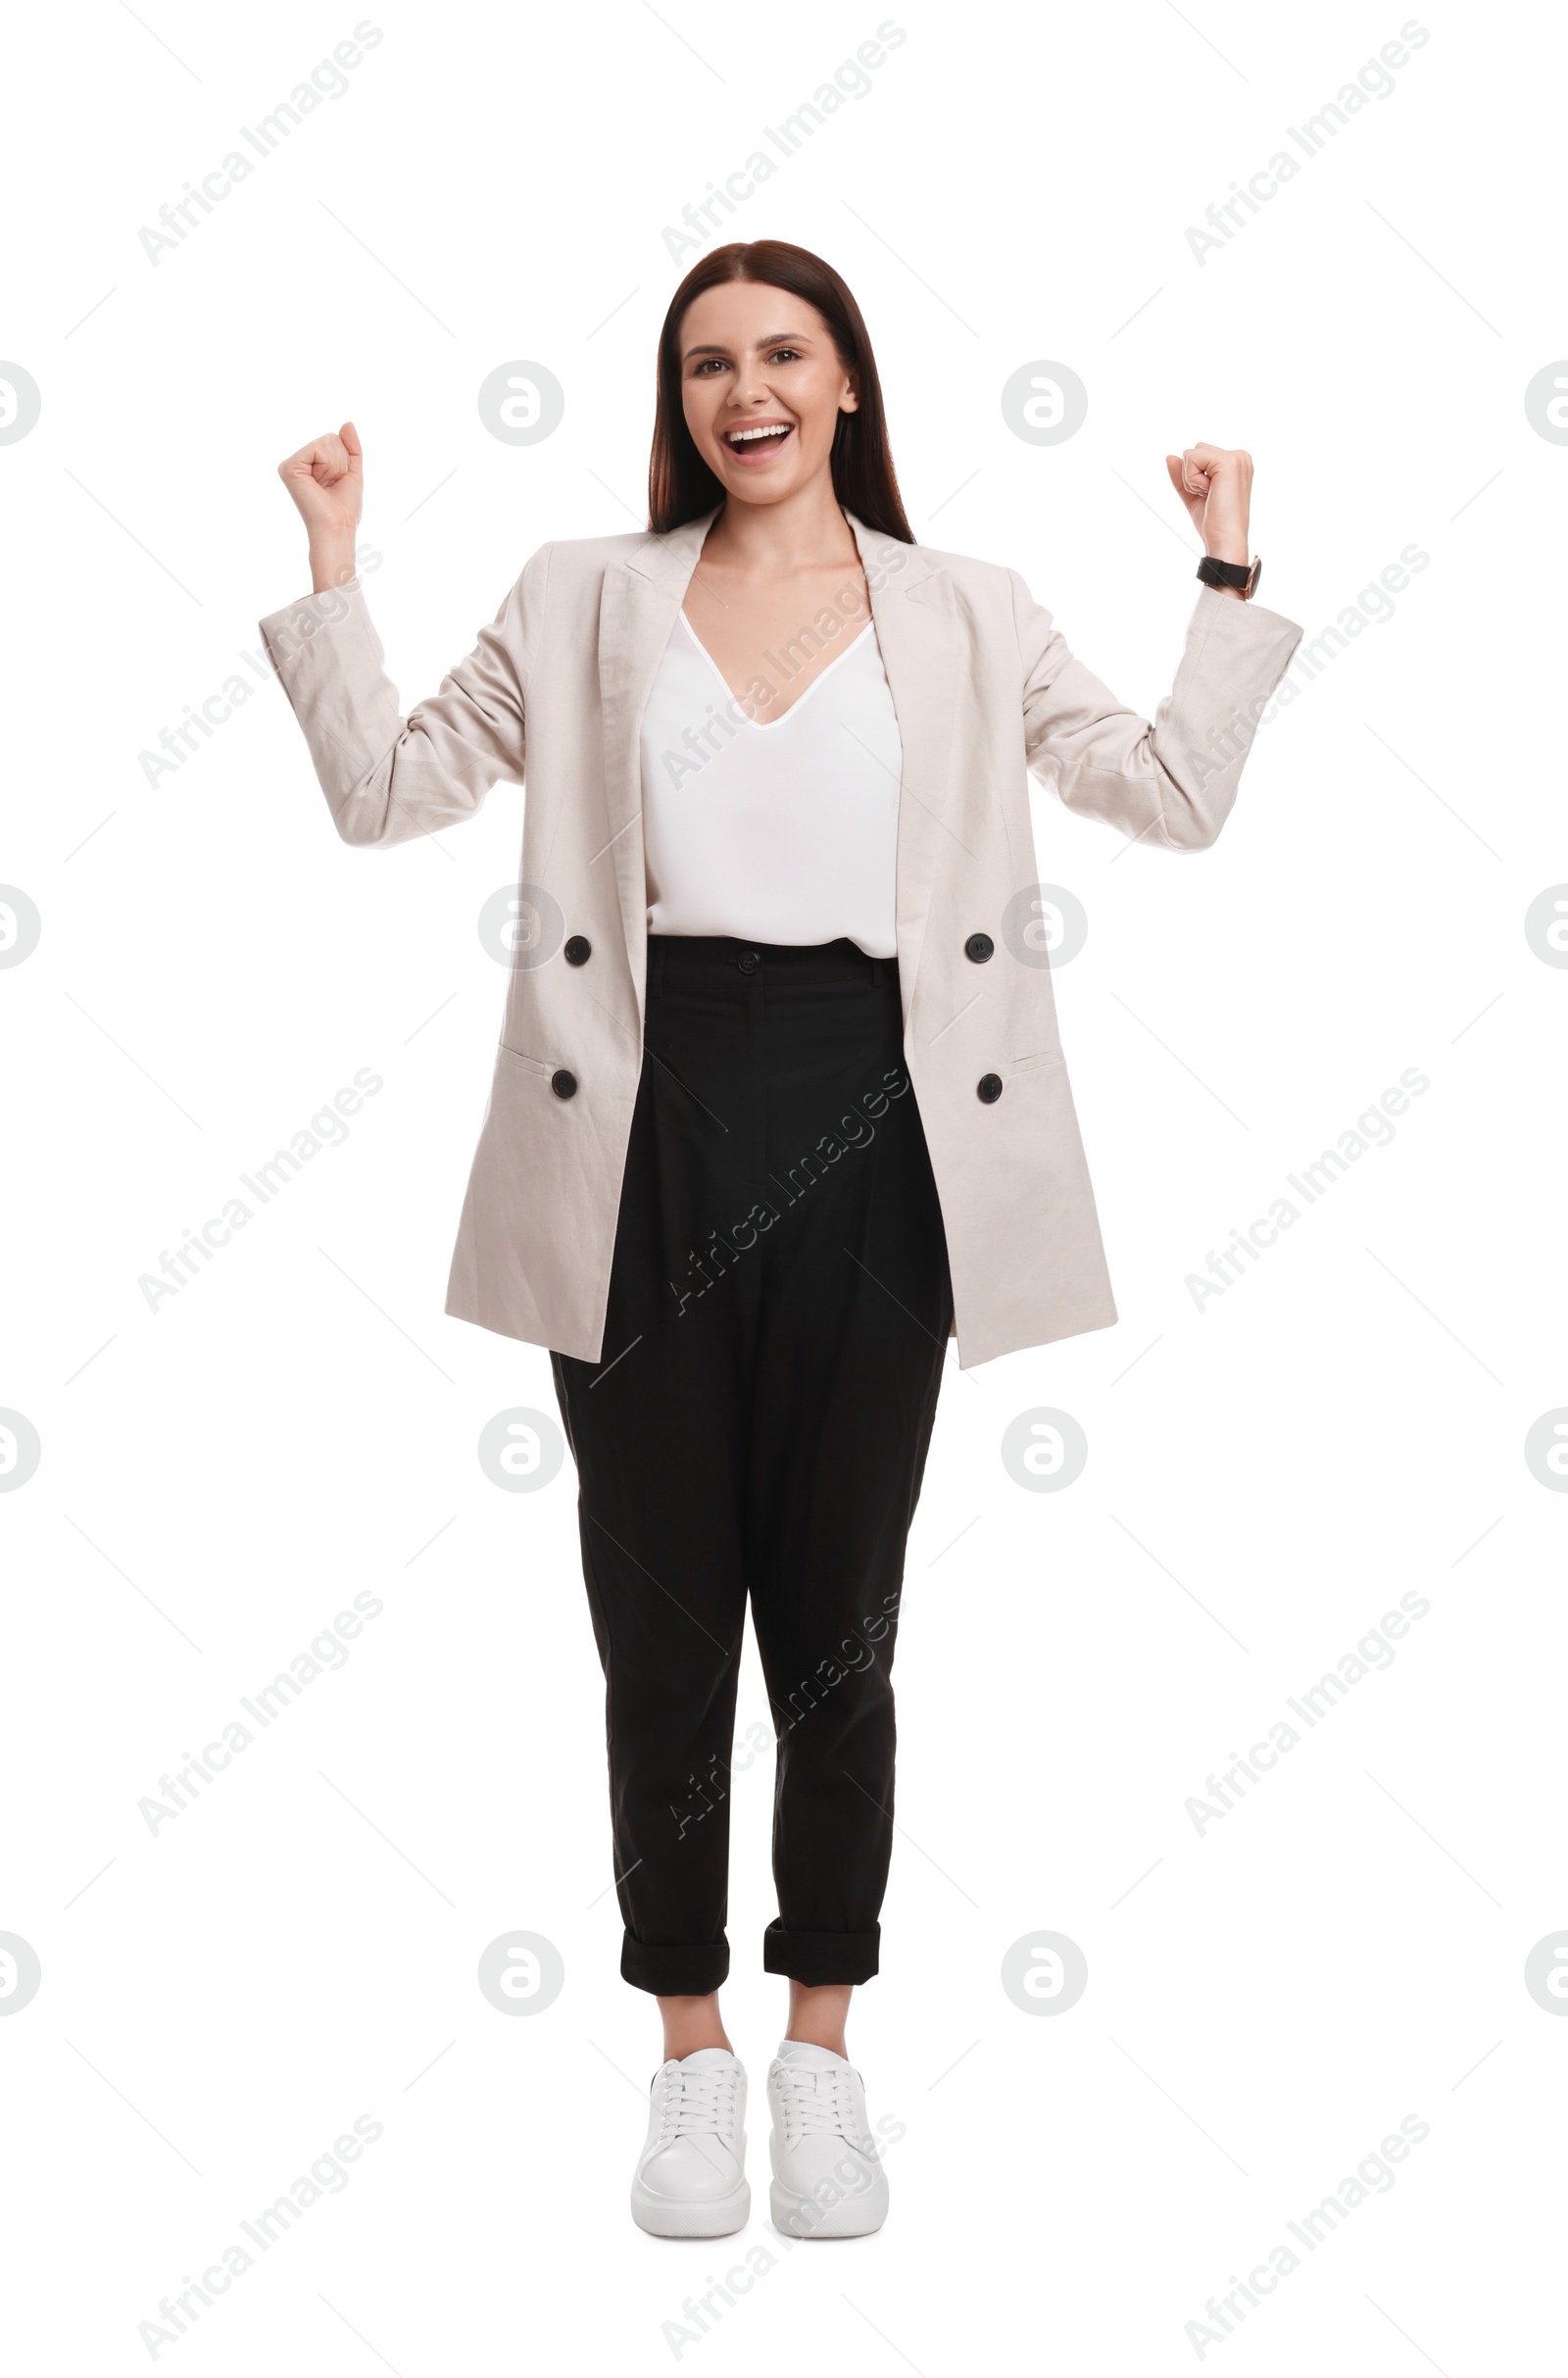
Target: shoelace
[815, 2098]
[697, 2103]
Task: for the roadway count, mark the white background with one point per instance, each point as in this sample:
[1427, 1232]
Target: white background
[1267, 1999]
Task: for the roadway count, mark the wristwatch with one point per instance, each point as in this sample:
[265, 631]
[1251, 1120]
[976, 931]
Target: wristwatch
[1232, 573]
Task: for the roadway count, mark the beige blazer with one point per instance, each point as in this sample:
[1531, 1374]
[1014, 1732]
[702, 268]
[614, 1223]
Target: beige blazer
[984, 689]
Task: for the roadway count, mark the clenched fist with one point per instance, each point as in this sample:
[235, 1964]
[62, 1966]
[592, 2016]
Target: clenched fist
[327, 481]
[1215, 483]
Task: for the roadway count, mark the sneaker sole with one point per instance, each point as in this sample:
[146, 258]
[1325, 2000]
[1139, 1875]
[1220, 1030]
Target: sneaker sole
[852, 2217]
[665, 2217]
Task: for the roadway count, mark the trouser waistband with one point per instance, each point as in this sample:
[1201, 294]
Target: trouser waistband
[723, 960]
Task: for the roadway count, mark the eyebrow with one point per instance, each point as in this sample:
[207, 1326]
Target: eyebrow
[774, 338]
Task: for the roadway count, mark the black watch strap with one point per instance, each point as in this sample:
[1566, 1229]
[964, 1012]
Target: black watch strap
[1239, 575]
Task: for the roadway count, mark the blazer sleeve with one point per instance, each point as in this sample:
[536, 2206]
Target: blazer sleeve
[388, 777]
[1172, 781]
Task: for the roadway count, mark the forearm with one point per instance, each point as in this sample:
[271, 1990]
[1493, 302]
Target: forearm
[332, 562]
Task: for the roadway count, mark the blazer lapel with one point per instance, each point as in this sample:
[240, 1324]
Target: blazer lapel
[637, 610]
[916, 625]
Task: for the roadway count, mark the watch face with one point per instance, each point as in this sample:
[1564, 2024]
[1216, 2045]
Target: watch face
[1254, 576]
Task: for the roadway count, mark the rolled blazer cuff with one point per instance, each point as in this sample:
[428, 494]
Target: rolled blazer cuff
[1236, 655]
[292, 634]
[1172, 781]
[1255, 635]
[330, 665]
[387, 778]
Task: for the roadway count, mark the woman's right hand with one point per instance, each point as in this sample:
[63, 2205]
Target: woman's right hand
[327, 481]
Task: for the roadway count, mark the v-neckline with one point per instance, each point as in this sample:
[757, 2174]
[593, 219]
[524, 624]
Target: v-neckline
[765, 726]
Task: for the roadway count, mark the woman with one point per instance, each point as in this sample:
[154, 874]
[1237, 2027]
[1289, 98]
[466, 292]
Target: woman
[779, 1101]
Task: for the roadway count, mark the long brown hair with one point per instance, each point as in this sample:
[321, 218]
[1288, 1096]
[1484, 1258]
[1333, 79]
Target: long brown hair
[680, 485]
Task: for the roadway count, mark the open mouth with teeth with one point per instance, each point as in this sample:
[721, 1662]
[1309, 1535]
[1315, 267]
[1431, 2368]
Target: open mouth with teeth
[754, 441]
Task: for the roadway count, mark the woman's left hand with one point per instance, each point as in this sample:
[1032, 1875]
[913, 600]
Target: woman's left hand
[1215, 483]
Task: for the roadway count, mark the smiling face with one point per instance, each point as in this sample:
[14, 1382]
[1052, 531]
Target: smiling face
[763, 388]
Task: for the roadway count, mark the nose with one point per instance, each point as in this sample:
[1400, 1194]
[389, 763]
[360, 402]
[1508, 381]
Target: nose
[751, 387]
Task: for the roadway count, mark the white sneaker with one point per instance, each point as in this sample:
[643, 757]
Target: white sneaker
[690, 2180]
[829, 2180]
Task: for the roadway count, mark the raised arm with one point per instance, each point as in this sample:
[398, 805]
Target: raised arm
[1171, 781]
[386, 777]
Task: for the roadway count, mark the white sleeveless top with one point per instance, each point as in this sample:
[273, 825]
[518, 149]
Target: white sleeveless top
[786, 832]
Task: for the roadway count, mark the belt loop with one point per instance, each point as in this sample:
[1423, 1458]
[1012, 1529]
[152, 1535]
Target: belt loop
[656, 962]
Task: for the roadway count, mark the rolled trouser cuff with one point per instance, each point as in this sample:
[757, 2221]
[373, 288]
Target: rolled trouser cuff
[819, 1958]
[682, 1969]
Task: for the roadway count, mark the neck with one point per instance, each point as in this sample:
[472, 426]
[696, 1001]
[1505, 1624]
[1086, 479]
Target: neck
[804, 532]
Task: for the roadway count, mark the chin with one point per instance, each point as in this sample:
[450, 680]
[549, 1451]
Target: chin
[755, 488]
[774, 493]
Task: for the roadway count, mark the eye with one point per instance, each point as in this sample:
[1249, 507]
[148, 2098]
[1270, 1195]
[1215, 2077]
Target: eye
[701, 368]
[785, 355]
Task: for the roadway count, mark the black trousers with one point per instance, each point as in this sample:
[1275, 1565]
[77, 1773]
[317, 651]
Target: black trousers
[778, 1316]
